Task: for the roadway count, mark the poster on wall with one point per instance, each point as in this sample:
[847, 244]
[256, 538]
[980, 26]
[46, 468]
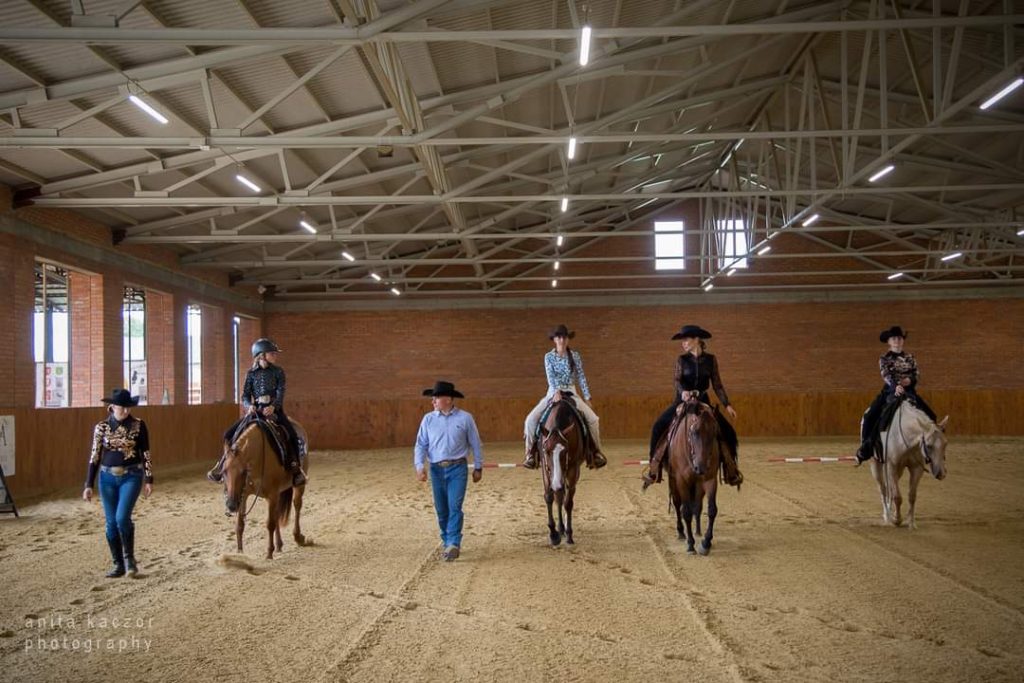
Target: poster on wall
[52, 385]
[137, 381]
[7, 445]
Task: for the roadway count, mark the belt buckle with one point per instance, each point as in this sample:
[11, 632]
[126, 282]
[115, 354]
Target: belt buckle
[117, 471]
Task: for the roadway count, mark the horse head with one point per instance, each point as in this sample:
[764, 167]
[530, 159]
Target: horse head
[933, 448]
[700, 427]
[236, 476]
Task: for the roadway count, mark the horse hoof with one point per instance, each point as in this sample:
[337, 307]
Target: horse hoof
[569, 540]
[690, 550]
[555, 540]
[703, 549]
[300, 539]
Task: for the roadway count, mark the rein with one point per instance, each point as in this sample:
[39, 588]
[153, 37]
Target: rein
[263, 468]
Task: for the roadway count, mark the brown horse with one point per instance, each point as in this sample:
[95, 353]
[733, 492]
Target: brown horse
[562, 451]
[693, 463]
[252, 468]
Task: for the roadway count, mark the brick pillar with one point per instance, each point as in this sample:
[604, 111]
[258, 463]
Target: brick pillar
[179, 352]
[84, 365]
[216, 363]
[160, 346]
[17, 365]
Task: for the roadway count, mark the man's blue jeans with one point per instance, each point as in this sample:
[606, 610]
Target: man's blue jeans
[119, 494]
[449, 485]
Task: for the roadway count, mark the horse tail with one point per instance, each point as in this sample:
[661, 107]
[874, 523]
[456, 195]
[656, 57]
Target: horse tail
[556, 467]
[284, 509]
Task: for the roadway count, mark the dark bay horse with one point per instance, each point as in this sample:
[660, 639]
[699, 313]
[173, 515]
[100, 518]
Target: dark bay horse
[693, 464]
[252, 468]
[562, 452]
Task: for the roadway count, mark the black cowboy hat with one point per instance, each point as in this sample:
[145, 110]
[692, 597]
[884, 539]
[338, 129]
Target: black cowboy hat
[894, 331]
[561, 331]
[693, 331]
[121, 397]
[442, 388]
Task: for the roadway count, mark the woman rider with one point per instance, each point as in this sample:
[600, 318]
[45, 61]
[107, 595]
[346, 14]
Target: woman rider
[695, 372]
[263, 392]
[564, 369]
[900, 374]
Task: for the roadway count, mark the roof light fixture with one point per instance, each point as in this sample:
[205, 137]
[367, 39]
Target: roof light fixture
[248, 183]
[950, 257]
[375, 276]
[558, 264]
[884, 172]
[347, 256]
[1002, 93]
[307, 225]
[147, 107]
[571, 152]
[554, 283]
[709, 286]
[396, 291]
[810, 220]
[730, 273]
[565, 204]
[559, 240]
[895, 276]
[585, 45]
[764, 250]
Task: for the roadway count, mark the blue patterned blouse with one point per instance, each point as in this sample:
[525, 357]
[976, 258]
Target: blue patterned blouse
[561, 377]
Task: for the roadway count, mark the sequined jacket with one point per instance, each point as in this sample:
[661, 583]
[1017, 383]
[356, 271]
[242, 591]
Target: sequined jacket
[898, 366]
[120, 444]
[697, 373]
[268, 381]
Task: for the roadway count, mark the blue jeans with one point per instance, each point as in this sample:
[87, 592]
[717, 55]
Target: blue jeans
[119, 494]
[449, 485]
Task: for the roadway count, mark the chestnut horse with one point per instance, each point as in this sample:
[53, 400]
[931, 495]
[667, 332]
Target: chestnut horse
[562, 452]
[252, 468]
[912, 442]
[693, 464]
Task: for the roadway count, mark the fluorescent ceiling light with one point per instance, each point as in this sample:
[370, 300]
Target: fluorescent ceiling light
[572, 148]
[146, 107]
[585, 45]
[304, 223]
[558, 264]
[1002, 93]
[950, 257]
[709, 286]
[559, 240]
[730, 273]
[375, 276]
[810, 220]
[895, 276]
[395, 291]
[347, 256]
[554, 283]
[1020, 232]
[885, 171]
[248, 183]
[764, 250]
[565, 204]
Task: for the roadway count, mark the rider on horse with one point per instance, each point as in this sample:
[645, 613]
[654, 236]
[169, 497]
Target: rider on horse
[263, 393]
[564, 370]
[695, 372]
[900, 374]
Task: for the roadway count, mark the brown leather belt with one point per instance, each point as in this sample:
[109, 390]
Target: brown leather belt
[449, 463]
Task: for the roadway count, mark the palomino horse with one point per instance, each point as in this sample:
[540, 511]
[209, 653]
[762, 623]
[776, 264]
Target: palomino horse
[693, 463]
[562, 451]
[251, 468]
[912, 442]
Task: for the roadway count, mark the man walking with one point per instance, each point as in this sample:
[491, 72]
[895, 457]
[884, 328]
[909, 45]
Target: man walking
[446, 436]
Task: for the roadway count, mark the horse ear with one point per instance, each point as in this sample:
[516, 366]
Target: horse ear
[942, 425]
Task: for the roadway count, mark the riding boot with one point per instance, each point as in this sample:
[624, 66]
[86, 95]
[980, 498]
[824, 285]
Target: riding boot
[598, 460]
[298, 476]
[730, 470]
[129, 553]
[530, 462]
[863, 453]
[653, 473]
[216, 475]
[117, 554]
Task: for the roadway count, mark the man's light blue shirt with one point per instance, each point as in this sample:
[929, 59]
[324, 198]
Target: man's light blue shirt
[447, 437]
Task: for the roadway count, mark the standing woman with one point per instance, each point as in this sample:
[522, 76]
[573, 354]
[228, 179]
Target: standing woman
[263, 393]
[564, 370]
[696, 370]
[120, 454]
[900, 374]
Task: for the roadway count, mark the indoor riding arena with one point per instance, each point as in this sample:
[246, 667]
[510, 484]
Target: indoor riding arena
[339, 250]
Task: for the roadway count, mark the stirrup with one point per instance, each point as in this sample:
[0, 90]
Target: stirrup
[530, 461]
[298, 477]
[648, 478]
[598, 460]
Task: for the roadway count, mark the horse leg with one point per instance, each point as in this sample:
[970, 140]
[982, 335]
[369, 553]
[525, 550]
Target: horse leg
[240, 524]
[560, 501]
[549, 498]
[915, 478]
[897, 499]
[688, 506]
[271, 525]
[878, 473]
[677, 503]
[278, 542]
[711, 489]
[300, 540]
[570, 496]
